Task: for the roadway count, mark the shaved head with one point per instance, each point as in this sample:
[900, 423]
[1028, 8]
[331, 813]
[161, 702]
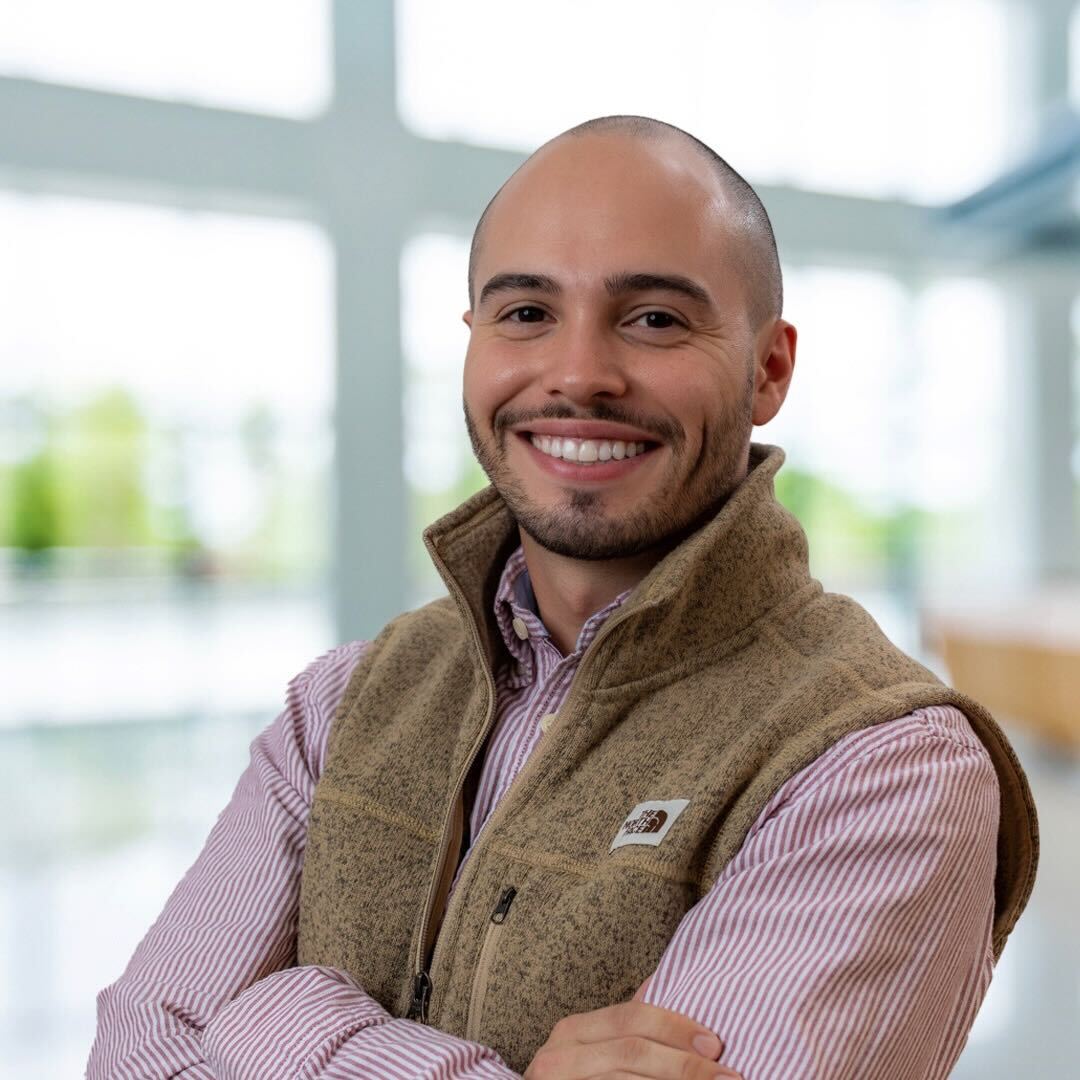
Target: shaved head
[753, 247]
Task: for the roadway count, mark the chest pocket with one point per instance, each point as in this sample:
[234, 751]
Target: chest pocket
[569, 943]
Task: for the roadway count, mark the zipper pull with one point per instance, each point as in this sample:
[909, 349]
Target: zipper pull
[421, 995]
[503, 906]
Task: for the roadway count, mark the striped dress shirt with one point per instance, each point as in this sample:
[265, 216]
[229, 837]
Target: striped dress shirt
[848, 938]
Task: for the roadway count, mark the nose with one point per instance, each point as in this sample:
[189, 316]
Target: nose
[583, 362]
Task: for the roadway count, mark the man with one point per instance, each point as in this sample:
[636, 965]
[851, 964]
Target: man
[638, 795]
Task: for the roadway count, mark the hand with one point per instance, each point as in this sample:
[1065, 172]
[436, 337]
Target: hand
[629, 1040]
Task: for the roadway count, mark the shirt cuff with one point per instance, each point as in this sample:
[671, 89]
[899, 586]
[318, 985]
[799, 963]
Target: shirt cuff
[288, 1024]
[406, 1050]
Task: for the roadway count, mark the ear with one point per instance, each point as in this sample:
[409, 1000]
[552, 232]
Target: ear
[772, 374]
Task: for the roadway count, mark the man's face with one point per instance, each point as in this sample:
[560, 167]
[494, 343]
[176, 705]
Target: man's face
[608, 362]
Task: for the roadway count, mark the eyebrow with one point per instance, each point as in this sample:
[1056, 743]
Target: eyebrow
[616, 285]
[621, 284]
[512, 282]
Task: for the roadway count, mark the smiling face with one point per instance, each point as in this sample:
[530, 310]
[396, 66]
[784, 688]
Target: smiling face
[610, 321]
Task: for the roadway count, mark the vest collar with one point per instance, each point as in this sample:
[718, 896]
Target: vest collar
[751, 555]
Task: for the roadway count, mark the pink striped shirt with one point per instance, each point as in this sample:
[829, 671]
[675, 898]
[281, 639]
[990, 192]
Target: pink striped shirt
[849, 937]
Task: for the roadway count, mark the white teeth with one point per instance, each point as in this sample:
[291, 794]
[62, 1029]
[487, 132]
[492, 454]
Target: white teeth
[586, 451]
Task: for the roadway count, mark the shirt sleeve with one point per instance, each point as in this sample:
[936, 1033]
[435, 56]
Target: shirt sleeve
[231, 920]
[316, 1023]
[850, 937]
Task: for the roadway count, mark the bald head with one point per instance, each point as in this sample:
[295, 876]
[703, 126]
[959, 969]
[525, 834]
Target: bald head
[752, 246]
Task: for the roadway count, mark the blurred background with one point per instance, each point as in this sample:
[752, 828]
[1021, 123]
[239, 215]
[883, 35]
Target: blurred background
[233, 246]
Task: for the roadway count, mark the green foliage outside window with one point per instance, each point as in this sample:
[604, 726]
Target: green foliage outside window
[101, 478]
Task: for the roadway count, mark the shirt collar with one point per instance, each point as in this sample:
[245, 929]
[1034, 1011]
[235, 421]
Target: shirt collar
[515, 599]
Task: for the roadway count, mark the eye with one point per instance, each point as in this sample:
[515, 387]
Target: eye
[672, 320]
[525, 311]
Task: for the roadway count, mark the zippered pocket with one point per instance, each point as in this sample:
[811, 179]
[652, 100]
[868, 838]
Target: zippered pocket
[483, 966]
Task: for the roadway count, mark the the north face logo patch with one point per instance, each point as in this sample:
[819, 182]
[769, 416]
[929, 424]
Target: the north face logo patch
[646, 821]
[649, 822]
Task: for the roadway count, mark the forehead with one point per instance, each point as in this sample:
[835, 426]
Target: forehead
[583, 208]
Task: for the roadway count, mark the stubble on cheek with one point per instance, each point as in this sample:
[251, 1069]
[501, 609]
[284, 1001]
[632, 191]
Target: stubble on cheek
[486, 455]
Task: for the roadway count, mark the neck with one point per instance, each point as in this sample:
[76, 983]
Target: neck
[569, 590]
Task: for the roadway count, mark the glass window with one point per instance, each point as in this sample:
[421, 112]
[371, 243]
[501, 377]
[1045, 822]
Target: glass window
[166, 385]
[879, 405]
[165, 397]
[187, 50]
[892, 446]
[440, 468]
[907, 98]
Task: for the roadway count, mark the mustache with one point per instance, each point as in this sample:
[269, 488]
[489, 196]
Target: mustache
[666, 431]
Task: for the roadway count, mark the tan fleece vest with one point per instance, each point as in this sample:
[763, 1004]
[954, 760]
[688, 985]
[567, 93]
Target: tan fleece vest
[725, 671]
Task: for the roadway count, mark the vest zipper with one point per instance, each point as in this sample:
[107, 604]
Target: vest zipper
[420, 996]
[422, 983]
[483, 966]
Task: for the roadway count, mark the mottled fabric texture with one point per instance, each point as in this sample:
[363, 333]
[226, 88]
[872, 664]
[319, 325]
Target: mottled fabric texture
[727, 670]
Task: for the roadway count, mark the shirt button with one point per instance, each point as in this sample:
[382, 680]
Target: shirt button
[520, 628]
[545, 721]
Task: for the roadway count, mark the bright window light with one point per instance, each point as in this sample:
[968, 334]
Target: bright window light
[899, 98]
[239, 54]
[199, 315]
[852, 373]
[434, 295]
[960, 396]
[440, 468]
[166, 391]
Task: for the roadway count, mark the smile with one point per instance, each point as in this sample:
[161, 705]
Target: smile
[586, 451]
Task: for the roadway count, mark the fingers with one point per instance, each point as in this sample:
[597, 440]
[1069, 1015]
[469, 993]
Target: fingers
[631, 1039]
[628, 1056]
[636, 1019]
[640, 992]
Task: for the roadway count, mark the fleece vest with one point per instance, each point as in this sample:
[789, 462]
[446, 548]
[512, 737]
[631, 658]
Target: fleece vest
[725, 671]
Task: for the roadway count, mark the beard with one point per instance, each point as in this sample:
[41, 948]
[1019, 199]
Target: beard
[681, 502]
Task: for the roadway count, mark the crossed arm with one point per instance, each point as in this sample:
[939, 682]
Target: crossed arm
[849, 936]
